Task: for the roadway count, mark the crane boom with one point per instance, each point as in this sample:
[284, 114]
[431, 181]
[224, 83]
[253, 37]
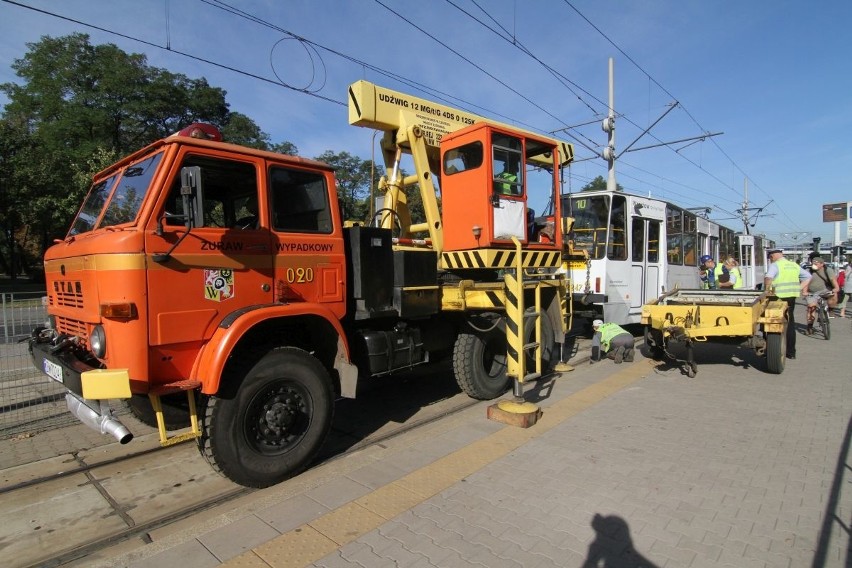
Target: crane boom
[372, 106]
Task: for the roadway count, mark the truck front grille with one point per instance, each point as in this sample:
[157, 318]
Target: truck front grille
[68, 294]
[72, 327]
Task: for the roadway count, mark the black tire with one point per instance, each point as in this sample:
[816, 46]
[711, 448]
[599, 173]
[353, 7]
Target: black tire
[824, 323]
[776, 348]
[654, 342]
[175, 410]
[479, 358]
[275, 423]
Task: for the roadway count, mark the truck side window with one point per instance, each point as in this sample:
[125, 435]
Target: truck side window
[228, 185]
[299, 201]
[506, 165]
[463, 158]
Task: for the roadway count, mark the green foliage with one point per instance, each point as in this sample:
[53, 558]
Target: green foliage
[599, 184]
[75, 110]
[353, 183]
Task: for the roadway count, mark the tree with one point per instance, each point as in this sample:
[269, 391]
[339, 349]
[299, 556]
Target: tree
[77, 107]
[353, 183]
[599, 184]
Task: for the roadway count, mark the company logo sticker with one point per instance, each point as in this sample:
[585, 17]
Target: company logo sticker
[218, 285]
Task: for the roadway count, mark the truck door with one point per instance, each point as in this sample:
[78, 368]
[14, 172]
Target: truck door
[645, 261]
[309, 260]
[220, 266]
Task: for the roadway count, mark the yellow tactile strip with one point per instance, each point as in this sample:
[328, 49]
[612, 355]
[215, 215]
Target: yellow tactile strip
[318, 538]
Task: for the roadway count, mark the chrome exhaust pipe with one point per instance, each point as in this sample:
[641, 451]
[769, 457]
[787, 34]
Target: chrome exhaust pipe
[101, 420]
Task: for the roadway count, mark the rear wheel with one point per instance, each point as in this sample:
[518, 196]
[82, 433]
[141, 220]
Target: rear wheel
[776, 347]
[479, 356]
[276, 422]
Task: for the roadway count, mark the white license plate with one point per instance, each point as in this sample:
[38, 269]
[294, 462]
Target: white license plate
[53, 370]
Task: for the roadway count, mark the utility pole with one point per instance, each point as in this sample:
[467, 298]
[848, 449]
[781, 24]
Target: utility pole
[608, 126]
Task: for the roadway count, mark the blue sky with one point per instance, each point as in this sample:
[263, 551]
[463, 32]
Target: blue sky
[774, 76]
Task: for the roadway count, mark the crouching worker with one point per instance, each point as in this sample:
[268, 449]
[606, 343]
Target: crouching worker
[612, 341]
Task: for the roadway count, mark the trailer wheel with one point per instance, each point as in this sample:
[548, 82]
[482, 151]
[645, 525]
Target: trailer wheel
[776, 346]
[654, 342]
[175, 410]
[275, 423]
[479, 357]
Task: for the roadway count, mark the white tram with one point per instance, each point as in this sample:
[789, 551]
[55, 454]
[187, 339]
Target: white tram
[639, 247]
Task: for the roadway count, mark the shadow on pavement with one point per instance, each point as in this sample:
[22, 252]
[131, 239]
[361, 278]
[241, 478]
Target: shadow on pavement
[613, 546]
[832, 508]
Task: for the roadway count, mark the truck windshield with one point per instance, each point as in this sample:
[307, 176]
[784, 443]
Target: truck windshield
[121, 195]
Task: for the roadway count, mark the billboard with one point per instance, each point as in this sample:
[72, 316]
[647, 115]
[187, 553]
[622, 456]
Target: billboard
[838, 213]
[833, 212]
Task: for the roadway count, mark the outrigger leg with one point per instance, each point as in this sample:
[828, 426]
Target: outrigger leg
[519, 412]
[691, 366]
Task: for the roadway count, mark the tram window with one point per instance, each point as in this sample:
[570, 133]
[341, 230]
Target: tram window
[617, 246]
[637, 241]
[674, 220]
[653, 241]
[673, 246]
[591, 215]
[689, 256]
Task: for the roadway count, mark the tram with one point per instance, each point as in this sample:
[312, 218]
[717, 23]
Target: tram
[639, 247]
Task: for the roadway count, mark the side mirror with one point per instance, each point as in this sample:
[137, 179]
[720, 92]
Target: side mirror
[192, 193]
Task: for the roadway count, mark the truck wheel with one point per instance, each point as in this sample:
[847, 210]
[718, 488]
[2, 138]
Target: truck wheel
[175, 410]
[276, 422]
[479, 358]
[776, 346]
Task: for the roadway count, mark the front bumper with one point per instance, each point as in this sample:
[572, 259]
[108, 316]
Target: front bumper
[63, 361]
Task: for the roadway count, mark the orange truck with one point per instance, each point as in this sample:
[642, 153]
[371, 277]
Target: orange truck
[216, 289]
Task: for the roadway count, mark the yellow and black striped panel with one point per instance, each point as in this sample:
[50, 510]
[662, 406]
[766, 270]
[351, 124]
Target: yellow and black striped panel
[499, 258]
[514, 328]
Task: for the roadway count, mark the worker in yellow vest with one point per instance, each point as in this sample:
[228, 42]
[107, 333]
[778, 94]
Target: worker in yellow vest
[613, 341]
[736, 278]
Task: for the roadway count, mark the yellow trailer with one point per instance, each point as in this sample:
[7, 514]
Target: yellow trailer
[743, 317]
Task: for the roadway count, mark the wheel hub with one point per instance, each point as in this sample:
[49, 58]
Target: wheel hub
[278, 418]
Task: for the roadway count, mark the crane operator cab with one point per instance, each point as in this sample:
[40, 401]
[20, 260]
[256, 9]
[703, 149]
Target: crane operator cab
[497, 184]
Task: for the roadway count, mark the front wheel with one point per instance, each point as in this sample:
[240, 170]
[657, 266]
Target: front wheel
[824, 322]
[275, 423]
[776, 347]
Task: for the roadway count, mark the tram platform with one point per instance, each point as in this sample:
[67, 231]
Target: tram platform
[630, 465]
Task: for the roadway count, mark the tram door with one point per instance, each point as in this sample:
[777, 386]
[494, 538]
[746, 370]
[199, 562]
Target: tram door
[645, 268]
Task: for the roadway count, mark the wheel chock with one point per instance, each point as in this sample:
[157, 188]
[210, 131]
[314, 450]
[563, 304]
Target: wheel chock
[514, 413]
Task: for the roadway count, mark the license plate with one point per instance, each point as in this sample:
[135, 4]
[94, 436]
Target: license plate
[53, 370]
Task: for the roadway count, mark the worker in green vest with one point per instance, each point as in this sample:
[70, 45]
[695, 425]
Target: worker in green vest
[613, 341]
[787, 279]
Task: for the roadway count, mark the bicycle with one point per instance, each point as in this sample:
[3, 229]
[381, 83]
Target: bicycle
[821, 320]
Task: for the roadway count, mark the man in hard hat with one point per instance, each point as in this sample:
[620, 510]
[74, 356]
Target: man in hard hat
[613, 341]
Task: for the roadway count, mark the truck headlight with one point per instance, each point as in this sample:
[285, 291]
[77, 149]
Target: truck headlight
[97, 341]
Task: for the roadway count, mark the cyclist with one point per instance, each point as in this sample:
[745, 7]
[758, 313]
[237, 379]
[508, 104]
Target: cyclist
[824, 280]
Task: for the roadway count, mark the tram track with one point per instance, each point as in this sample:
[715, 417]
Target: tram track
[141, 530]
[388, 409]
